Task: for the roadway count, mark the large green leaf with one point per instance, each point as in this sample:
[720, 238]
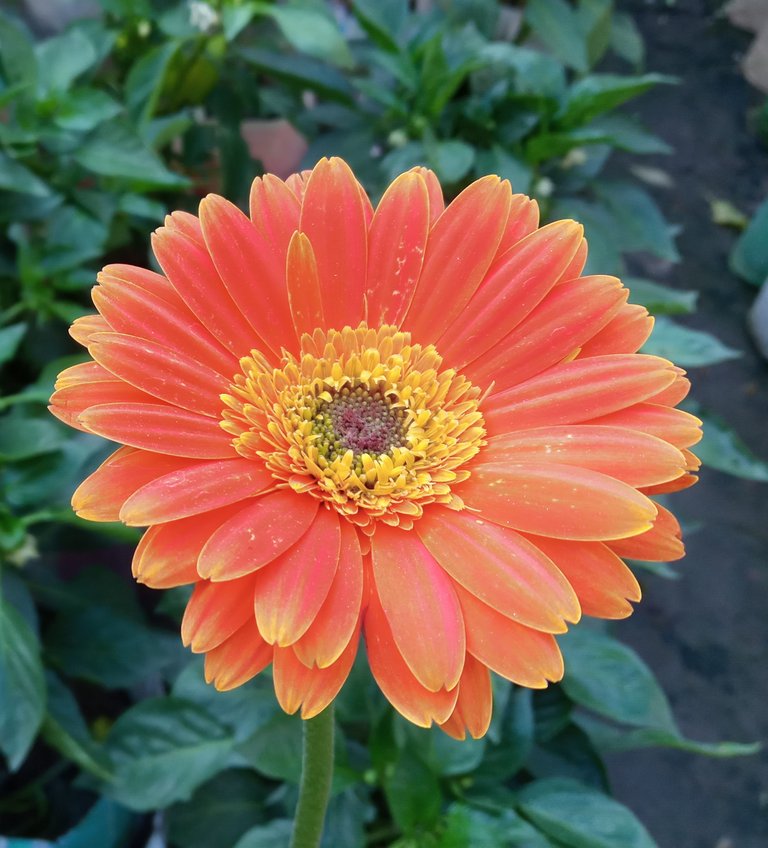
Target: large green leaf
[685, 346]
[15, 177]
[106, 824]
[162, 750]
[275, 834]
[465, 827]
[558, 26]
[17, 53]
[721, 448]
[413, 793]
[580, 817]
[22, 437]
[310, 30]
[63, 58]
[83, 109]
[749, 258]
[661, 300]
[22, 687]
[10, 339]
[598, 93]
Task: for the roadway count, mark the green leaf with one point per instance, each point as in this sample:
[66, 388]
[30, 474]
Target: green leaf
[63, 58]
[301, 71]
[451, 160]
[625, 134]
[115, 150]
[22, 437]
[106, 824]
[536, 73]
[219, 812]
[594, 18]
[382, 20]
[598, 93]
[15, 177]
[142, 207]
[276, 834]
[661, 300]
[10, 339]
[570, 753]
[685, 346]
[557, 25]
[413, 793]
[508, 755]
[443, 755]
[611, 680]
[626, 40]
[721, 448]
[604, 252]
[65, 730]
[162, 750]
[144, 83]
[17, 52]
[83, 109]
[465, 827]
[749, 258]
[348, 813]
[580, 817]
[508, 167]
[310, 30]
[275, 748]
[22, 686]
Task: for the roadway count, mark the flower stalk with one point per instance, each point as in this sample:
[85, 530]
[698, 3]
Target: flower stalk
[316, 775]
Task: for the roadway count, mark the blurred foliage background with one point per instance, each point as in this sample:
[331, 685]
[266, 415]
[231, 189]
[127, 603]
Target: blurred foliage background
[113, 113]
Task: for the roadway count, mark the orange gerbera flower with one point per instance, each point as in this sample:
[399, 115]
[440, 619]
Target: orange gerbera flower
[420, 424]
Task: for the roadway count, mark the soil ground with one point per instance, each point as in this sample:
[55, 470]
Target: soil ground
[706, 635]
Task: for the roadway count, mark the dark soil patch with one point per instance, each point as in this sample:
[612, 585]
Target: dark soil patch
[706, 635]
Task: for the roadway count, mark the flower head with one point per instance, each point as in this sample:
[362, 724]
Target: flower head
[420, 425]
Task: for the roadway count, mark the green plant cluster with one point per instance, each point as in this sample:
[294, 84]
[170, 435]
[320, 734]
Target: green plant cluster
[117, 119]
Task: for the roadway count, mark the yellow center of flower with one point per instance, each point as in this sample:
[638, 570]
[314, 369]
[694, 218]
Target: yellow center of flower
[361, 419]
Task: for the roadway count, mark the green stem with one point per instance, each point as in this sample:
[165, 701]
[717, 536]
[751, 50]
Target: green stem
[316, 774]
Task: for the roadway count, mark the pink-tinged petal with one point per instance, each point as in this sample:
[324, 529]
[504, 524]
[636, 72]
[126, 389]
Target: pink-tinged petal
[461, 246]
[161, 372]
[572, 313]
[518, 653]
[216, 611]
[626, 332]
[83, 328]
[501, 568]
[577, 391]
[395, 679]
[339, 616]
[434, 190]
[396, 243]
[675, 426]
[675, 393]
[257, 535]
[194, 276]
[187, 224]
[83, 374]
[683, 482]
[237, 659]
[69, 403]
[576, 268]
[150, 281]
[167, 554]
[100, 496]
[557, 500]
[523, 220]
[297, 183]
[474, 704]
[630, 456]
[303, 284]
[515, 284]
[159, 428]
[604, 584]
[195, 489]
[137, 312]
[292, 589]
[662, 543]
[252, 268]
[274, 210]
[425, 617]
[312, 689]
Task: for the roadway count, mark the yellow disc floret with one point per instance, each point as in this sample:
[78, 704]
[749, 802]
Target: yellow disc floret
[361, 419]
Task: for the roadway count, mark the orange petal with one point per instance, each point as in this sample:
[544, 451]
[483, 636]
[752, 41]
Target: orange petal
[577, 391]
[396, 244]
[576, 267]
[523, 220]
[216, 611]
[517, 282]
[501, 568]
[100, 496]
[673, 394]
[303, 282]
[137, 312]
[69, 403]
[187, 224]
[83, 373]
[167, 554]
[570, 314]
[237, 659]
[557, 500]
[683, 482]
[333, 217]
[83, 328]
[339, 615]
[148, 280]
[160, 428]
[274, 210]
[252, 268]
[257, 535]
[518, 653]
[635, 458]
[312, 689]
[421, 607]
[434, 190]
[193, 274]
[297, 183]
[662, 543]
[461, 246]
[602, 581]
[675, 426]
[626, 332]
[195, 489]
[166, 374]
[292, 589]
[474, 704]
[400, 687]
